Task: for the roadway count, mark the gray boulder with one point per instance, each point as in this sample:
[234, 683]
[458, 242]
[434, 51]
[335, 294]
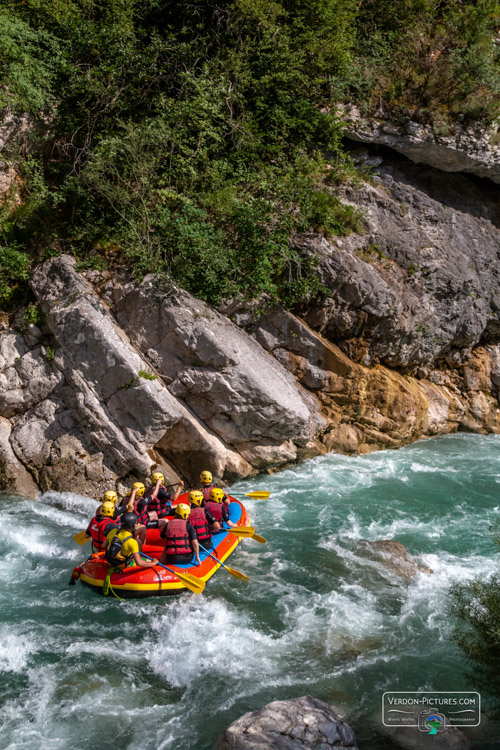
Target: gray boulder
[112, 404]
[297, 724]
[13, 475]
[231, 383]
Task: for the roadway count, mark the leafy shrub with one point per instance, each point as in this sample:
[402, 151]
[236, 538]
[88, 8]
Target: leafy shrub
[191, 139]
[14, 270]
[477, 607]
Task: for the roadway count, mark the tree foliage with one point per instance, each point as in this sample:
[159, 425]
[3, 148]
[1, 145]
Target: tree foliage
[477, 607]
[195, 138]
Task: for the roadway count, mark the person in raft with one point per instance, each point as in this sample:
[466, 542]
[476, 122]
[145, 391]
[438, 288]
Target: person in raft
[217, 509]
[103, 522]
[162, 503]
[200, 519]
[207, 484]
[121, 546]
[136, 503]
[180, 537]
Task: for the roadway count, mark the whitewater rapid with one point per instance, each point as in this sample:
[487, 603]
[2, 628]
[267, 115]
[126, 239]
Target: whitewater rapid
[319, 616]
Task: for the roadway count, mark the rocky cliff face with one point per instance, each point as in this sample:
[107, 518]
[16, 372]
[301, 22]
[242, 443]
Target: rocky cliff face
[449, 147]
[121, 378]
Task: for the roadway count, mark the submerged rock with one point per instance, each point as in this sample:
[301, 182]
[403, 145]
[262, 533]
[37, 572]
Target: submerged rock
[296, 724]
[393, 556]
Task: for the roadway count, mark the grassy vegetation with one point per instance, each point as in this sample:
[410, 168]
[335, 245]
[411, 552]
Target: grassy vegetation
[476, 605]
[194, 138]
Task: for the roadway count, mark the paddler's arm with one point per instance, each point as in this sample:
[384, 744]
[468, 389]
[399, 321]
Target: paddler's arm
[130, 504]
[225, 516]
[154, 493]
[136, 557]
[193, 538]
[177, 492]
[196, 550]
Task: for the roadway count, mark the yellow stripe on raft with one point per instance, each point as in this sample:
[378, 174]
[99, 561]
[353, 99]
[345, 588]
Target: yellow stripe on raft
[165, 586]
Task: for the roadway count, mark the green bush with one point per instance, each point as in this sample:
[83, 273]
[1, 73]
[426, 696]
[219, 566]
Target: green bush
[195, 139]
[477, 608]
[14, 271]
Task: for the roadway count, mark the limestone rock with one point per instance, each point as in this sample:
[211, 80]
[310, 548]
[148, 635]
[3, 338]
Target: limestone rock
[419, 284]
[296, 724]
[242, 393]
[13, 475]
[472, 150]
[30, 380]
[113, 404]
[393, 556]
[365, 408]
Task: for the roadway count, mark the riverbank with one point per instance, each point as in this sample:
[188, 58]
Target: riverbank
[117, 379]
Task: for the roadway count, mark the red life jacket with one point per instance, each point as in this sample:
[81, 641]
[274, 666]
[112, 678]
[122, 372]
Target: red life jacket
[158, 505]
[215, 509]
[176, 538]
[96, 528]
[198, 519]
[143, 517]
[206, 490]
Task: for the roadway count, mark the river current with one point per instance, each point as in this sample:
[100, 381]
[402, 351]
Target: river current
[319, 617]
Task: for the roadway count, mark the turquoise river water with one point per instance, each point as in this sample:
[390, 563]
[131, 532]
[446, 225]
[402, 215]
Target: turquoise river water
[319, 617]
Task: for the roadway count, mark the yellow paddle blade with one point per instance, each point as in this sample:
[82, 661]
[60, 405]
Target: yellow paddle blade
[259, 495]
[244, 531]
[236, 573]
[259, 538]
[248, 532]
[191, 582]
[82, 538]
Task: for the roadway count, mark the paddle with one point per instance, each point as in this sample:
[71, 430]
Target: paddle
[232, 571]
[82, 538]
[258, 495]
[248, 532]
[190, 582]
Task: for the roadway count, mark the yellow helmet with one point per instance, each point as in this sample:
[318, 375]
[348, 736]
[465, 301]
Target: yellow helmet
[205, 477]
[107, 509]
[139, 487]
[216, 495]
[195, 497]
[182, 510]
[110, 497]
[158, 476]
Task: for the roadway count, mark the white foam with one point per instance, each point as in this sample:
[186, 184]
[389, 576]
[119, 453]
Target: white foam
[15, 649]
[69, 501]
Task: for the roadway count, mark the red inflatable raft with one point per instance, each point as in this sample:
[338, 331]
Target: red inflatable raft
[135, 582]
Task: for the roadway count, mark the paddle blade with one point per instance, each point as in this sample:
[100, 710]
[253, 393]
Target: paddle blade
[191, 582]
[82, 538]
[259, 495]
[244, 531]
[259, 538]
[236, 573]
